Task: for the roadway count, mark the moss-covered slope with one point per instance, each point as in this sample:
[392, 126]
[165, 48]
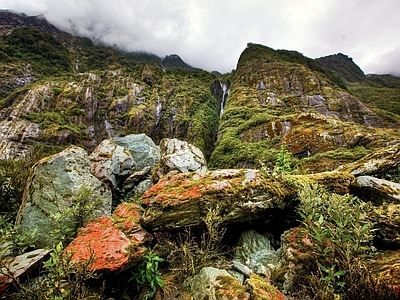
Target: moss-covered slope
[282, 96]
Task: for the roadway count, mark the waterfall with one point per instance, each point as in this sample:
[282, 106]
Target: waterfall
[225, 93]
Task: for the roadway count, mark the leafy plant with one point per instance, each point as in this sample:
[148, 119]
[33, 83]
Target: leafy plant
[12, 241]
[147, 274]
[339, 230]
[283, 163]
[78, 214]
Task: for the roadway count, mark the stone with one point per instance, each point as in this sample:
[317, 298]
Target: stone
[142, 148]
[181, 200]
[52, 188]
[377, 190]
[381, 162]
[181, 156]
[21, 265]
[387, 227]
[114, 243]
[111, 163]
[262, 290]
[184, 199]
[255, 251]
[212, 284]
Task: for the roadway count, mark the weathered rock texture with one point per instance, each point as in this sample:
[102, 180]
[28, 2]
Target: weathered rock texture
[180, 156]
[181, 200]
[111, 243]
[51, 190]
[376, 190]
[111, 163]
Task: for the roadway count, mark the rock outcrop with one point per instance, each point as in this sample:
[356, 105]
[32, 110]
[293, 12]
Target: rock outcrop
[54, 188]
[180, 156]
[113, 243]
[181, 200]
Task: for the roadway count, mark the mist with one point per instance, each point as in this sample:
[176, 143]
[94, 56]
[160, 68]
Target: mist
[212, 34]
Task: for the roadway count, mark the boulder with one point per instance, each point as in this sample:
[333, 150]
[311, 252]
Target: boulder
[52, 190]
[377, 190]
[211, 283]
[181, 200]
[21, 265]
[255, 251]
[260, 289]
[181, 156]
[142, 148]
[240, 195]
[111, 163]
[114, 243]
[382, 162]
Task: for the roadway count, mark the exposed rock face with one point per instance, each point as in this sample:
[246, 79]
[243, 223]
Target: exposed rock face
[381, 162]
[111, 163]
[182, 200]
[51, 190]
[114, 243]
[280, 96]
[376, 190]
[181, 156]
[213, 284]
[20, 265]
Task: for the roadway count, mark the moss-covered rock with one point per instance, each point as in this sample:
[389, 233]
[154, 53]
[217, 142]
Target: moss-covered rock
[260, 289]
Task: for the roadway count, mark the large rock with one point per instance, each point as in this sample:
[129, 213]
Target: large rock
[382, 162]
[212, 284]
[181, 156]
[114, 243]
[142, 148]
[255, 251]
[21, 265]
[111, 163]
[377, 190]
[52, 188]
[181, 200]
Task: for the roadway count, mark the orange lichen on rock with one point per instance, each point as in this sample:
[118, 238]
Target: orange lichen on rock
[104, 242]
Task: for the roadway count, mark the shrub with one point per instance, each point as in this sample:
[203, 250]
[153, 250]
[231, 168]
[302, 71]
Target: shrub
[336, 234]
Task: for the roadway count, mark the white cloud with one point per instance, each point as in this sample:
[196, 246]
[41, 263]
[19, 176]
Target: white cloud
[211, 34]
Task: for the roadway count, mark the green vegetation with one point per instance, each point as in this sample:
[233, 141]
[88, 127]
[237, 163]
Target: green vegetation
[386, 99]
[147, 275]
[77, 215]
[44, 53]
[336, 248]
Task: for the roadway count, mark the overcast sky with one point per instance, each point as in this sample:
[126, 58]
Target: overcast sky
[211, 34]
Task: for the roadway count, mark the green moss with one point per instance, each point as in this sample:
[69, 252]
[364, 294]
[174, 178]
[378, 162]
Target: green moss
[228, 288]
[262, 290]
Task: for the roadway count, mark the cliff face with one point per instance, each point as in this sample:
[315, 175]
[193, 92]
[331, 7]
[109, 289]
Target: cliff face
[282, 97]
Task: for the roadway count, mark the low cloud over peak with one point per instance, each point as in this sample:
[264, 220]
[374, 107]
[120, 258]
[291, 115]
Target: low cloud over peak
[211, 35]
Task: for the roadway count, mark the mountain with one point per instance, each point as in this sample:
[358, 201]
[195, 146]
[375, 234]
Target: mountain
[59, 89]
[380, 92]
[343, 65]
[280, 96]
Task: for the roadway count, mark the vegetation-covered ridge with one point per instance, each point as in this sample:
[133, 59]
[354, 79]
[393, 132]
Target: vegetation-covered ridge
[280, 96]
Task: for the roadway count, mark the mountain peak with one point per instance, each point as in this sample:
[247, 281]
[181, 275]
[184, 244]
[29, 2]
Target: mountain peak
[343, 65]
[174, 61]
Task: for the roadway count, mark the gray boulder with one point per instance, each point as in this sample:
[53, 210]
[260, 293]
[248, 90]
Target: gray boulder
[52, 190]
[255, 251]
[142, 148]
[111, 163]
[181, 156]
